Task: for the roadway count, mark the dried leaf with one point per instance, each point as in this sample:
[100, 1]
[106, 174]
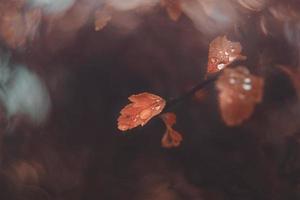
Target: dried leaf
[223, 52]
[294, 76]
[144, 107]
[239, 92]
[169, 119]
[171, 137]
[102, 17]
[173, 8]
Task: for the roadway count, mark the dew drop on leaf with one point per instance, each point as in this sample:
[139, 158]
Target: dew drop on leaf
[239, 92]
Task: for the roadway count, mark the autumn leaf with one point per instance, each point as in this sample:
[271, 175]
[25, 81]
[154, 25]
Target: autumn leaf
[294, 75]
[171, 138]
[144, 107]
[223, 52]
[239, 92]
[173, 8]
[102, 17]
[169, 119]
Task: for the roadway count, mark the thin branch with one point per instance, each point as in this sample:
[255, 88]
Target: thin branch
[173, 102]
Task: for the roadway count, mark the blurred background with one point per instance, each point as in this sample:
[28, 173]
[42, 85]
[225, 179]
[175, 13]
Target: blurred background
[63, 83]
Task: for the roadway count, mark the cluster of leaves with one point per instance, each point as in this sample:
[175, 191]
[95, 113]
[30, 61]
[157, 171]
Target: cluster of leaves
[238, 93]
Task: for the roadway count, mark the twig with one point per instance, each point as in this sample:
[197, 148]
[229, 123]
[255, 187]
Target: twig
[173, 102]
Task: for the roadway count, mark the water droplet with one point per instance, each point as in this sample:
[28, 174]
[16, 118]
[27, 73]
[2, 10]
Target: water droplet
[247, 80]
[157, 107]
[145, 114]
[247, 87]
[220, 66]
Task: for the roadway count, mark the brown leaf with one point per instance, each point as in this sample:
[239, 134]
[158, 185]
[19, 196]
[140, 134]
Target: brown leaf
[169, 119]
[294, 76]
[144, 107]
[171, 138]
[173, 8]
[223, 52]
[102, 17]
[239, 92]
